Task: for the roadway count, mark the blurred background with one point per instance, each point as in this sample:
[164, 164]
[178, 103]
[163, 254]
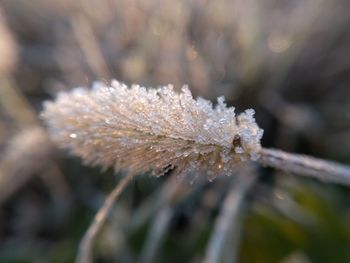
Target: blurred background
[289, 60]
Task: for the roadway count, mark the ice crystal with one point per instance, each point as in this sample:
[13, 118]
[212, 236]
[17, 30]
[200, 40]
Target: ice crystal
[158, 130]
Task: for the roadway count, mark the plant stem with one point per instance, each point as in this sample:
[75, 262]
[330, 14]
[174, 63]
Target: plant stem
[156, 235]
[226, 235]
[85, 254]
[306, 165]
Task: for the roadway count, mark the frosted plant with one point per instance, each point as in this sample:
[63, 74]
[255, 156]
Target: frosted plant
[158, 130]
[138, 129]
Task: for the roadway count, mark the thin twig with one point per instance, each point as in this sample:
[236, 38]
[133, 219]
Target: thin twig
[227, 226]
[85, 254]
[306, 165]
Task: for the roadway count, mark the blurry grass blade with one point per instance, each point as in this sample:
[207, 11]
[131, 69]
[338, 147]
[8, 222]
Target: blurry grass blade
[15, 104]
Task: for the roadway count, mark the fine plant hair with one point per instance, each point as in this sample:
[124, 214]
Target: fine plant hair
[138, 130]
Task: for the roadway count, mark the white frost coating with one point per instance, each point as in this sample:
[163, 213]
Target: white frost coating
[139, 129]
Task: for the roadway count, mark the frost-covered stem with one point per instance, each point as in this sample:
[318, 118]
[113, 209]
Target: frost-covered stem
[85, 254]
[227, 226]
[306, 165]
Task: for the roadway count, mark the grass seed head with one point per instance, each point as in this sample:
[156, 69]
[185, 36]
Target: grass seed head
[139, 129]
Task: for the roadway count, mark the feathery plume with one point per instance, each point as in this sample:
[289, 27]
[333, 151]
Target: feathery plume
[139, 129]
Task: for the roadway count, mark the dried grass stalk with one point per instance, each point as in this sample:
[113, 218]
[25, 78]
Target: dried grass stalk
[306, 166]
[85, 253]
[226, 235]
[138, 129]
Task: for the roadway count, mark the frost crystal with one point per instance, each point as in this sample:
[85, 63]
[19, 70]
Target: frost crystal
[158, 130]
